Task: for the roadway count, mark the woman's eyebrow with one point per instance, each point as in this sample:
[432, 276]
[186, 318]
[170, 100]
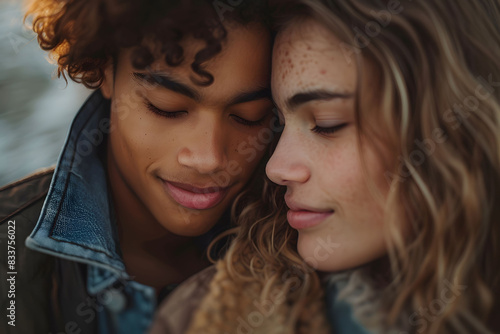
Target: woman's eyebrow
[322, 95]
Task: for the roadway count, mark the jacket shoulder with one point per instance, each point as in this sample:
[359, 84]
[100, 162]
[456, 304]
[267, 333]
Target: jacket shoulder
[20, 195]
[174, 314]
[20, 206]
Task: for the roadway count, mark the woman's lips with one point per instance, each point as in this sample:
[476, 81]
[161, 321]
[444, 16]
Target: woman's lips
[195, 198]
[301, 219]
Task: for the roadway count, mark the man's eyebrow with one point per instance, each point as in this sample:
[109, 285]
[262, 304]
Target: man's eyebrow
[317, 95]
[168, 83]
[263, 93]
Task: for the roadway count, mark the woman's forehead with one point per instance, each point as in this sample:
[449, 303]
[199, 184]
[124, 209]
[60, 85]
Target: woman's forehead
[308, 59]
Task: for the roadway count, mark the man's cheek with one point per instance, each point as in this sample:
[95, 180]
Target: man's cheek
[234, 168]
[226, 177]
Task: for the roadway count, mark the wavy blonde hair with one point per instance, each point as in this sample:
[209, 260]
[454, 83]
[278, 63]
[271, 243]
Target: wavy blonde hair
[438, 66]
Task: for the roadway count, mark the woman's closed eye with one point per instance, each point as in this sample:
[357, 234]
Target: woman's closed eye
[328, 130]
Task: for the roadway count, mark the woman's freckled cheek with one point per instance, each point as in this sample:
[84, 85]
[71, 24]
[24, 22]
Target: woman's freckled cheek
[343, 169]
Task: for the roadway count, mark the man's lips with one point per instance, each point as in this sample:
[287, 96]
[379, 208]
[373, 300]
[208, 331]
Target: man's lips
[301, 216]
[193, 197]
[196, 190]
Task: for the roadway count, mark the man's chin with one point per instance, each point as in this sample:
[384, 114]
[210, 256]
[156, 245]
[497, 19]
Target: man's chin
[188, 228]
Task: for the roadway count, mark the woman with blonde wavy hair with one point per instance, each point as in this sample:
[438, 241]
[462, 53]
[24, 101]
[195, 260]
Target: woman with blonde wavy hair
[390, 158]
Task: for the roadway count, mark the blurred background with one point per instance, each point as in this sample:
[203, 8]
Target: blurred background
[36, 108]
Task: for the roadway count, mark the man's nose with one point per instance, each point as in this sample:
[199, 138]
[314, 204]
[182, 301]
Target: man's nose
[205, 150]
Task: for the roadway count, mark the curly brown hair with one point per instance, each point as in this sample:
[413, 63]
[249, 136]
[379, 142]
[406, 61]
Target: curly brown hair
[83, 36]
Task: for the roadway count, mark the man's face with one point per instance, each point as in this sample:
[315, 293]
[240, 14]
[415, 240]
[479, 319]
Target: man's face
[181, 152]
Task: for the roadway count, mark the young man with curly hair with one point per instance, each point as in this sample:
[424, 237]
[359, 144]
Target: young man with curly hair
[178, 126]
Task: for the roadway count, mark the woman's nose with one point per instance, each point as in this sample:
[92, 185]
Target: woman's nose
[288, 163]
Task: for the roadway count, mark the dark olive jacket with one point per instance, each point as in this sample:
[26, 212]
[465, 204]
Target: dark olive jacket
[36, 287]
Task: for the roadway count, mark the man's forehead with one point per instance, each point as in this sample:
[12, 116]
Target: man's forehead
[240, 71]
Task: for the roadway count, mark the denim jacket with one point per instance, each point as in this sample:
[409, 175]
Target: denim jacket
[340, 312]
[76, 224]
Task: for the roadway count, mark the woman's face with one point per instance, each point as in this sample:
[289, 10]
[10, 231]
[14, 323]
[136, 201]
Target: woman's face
[318, 158]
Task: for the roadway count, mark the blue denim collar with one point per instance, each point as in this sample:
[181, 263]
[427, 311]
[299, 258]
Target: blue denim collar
[76, 218]
[346, 297]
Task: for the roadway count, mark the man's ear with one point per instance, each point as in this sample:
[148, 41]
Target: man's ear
[107, 82]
